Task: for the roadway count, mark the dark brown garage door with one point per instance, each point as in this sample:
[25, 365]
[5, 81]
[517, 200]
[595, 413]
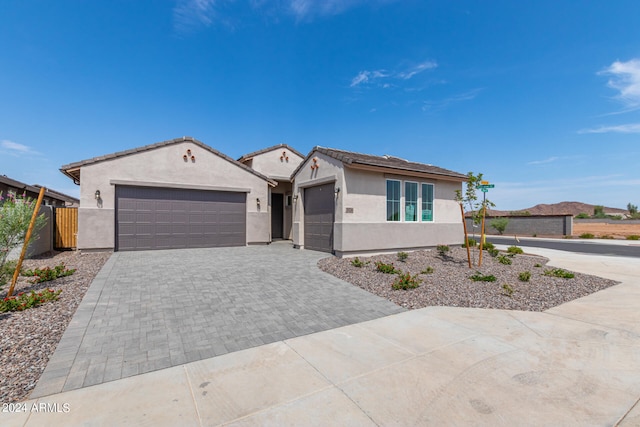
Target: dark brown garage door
[170, 218]
[319, 211]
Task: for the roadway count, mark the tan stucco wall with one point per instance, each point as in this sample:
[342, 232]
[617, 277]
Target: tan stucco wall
[366, 228]
[164, 165]
[271, 165]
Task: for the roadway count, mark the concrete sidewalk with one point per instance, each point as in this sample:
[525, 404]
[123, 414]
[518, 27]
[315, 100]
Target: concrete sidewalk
[576, 364]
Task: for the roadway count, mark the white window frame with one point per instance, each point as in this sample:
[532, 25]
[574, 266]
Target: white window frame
[422, 202]
[400, 210]
[416, 212]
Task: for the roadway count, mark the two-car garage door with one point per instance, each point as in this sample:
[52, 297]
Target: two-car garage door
[172, 218]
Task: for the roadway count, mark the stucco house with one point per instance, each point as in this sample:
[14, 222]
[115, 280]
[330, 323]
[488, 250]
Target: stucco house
[352, 203]
[181, 193]
[51, 197]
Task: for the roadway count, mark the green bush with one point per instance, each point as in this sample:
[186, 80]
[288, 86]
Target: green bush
[525, 276]
[442, 250]
[487, 246]
[472, 243]
[357, 263]
[24, 301]
[587, 236]
[386, 268]
[479, 277]
[514, 250]
[427, 270]
[500, 224]
[633, 237]
[493, 252]
[559, 272]
[504, 260]
[538, 265]
[508, 290]
[583, 215]
[6, 272]
[46, 274]
[402, 256]
[406, 281]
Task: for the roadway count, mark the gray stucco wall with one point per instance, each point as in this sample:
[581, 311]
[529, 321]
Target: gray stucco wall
[42, 241]
[543, 225]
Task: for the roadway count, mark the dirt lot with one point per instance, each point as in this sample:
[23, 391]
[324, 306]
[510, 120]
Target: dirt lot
[618, 231]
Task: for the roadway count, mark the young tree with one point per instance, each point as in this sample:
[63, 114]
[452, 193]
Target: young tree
[500, 224]
[15, 215]
[633, 209]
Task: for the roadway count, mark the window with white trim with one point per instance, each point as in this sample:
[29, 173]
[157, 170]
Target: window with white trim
[393, 200]
[410, 201]
[427, 202]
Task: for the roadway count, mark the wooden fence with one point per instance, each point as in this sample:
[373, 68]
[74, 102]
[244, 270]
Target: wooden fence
[66, 228]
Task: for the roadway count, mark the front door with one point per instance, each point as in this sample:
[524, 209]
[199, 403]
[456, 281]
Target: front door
[277, 215]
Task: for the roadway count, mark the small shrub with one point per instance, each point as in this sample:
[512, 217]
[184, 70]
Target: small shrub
[357, 263]
[538, 265]
[504, 260]
[500, 224]
[442, 250]
[386, 268]
[6, 272]
[525, 276]
[24, 301]
[559, 272]
[479, 277]
[406, 281]
[514, 250]
[493, 252]
[46, 274]
[508, 290]
[606, 236]
[472, 243]
[633, 237]
[583, 215]
[587, 236]
[487, 246]
[427, 270]
[402, 256]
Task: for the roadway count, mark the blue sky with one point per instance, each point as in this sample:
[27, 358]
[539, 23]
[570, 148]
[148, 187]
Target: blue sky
[543, 97]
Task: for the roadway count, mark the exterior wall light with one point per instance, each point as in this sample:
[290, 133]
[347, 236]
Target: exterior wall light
[97, 195]
[258, 201]
[337, 190]
[295, 198]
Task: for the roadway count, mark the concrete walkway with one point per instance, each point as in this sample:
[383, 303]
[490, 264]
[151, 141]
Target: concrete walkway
[577, 364]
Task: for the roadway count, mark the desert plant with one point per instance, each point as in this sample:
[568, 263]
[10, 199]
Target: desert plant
[515, 250]
[633, 237]
[633, 209]
[538, 265]
[559, 272]
[500, 224]
[504, 260]
[427, 270]
[587, 236]
[6, 272]
[493, 252]
[46, 274]
[24, 301]
[508, 290]
[402, 256]
[471, 242]
[442, 250]
[406, 281]
[356, 262]
[605, 236]
[525, 276]
[479, 277]
[488, 246]
[386, 268]
[598, 212]
[583, 215]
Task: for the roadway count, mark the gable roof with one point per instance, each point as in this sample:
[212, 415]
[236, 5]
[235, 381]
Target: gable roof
[35, 188]
[389, 163]
[72, 170]
[249, 156]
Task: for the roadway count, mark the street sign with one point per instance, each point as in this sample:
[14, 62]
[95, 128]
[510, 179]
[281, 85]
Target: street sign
[486, 186]
[484, 190]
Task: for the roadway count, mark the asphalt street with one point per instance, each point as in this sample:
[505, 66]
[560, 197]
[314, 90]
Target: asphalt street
[572, 245]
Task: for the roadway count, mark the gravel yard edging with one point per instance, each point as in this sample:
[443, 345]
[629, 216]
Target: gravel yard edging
[449, 284]
[30, 337]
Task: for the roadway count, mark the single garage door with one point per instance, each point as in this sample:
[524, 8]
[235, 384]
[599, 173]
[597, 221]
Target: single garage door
[319, 214]
[171, 218]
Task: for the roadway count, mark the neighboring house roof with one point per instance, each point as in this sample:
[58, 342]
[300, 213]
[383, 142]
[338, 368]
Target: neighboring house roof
[266, 150]
[389, 163]
[49, 193]
[72, 170]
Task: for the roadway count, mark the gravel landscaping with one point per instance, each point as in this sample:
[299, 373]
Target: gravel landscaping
[30, 337]
[449, 283]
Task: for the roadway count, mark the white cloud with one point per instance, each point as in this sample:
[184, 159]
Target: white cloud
[628, 128]
[15, 149]
[439, 105]
[305, 10]
[382, 77]
[626, 80]
[190, 14]
[541, 162]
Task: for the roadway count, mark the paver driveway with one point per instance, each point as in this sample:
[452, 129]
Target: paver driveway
[156, 309]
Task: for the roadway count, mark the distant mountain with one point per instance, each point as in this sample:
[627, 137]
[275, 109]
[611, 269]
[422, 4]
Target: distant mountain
[562, 208]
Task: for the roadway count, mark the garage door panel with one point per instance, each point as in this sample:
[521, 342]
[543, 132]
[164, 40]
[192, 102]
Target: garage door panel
[319, 214]
[162, 218]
